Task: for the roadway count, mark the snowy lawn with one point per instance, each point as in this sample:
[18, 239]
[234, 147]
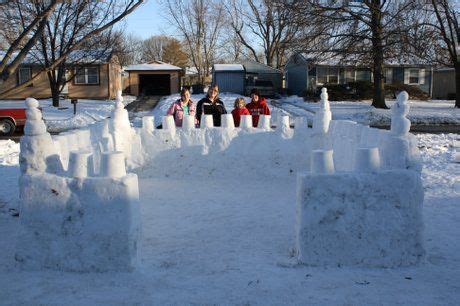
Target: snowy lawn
[421, 112]
[62, 118]
[211, 241]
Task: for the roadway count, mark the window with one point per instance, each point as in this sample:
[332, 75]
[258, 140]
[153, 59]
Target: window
[327, 75]
[363, 75]
[87, 75]
[321, 75]
[349, 75]
[333, 75]
[24, 74]
[414, 77]
[389, 75]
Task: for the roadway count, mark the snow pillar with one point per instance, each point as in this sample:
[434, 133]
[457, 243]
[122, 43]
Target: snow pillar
[264, 122]
[148, 124]
[38, 153]
[206, 121]
[246, 121]
[323, 115]
[227, 121]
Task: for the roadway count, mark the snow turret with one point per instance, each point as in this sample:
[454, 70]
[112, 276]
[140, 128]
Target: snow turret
[400, 125]
[323, 116]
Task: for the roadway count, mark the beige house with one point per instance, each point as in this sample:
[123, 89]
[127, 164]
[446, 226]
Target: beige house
[99, 79]
[154, 79]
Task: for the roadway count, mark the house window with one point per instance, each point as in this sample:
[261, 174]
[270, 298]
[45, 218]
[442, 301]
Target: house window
[87, 76]
[389, 75]
[349, 76]
[333, 75]
[321, 75]
[414, 76]
[363, 75]
[24, 75]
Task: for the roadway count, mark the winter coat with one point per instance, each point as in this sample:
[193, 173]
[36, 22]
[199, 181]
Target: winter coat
[206, 107]
[256, 109]
[237, 113]
[177, 111]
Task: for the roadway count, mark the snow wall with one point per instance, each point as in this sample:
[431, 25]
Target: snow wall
[359, 192]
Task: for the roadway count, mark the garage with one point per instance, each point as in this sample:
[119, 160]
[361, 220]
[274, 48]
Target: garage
[154, 79]
[154, 84]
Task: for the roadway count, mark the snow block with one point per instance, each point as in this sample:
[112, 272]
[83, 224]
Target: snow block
[81, 225]
[360, 219]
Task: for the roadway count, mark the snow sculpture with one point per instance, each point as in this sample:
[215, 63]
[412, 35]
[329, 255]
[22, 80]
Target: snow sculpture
[283, 127]
[264, 122]
[323, 116]
[227, 121]
[38, 153]
[399, 149]
[206, 121]
[188, 123]
[364, 215]
[148, 124]
[246, 122]
[168, 123]
[74, 222]
[322, 161]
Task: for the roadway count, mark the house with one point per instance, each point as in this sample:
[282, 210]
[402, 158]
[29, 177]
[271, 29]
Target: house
[95, 77]
[306, 72]
[154, 79]
[444, 84]
[241, 77]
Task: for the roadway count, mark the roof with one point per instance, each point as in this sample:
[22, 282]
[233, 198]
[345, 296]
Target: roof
[96, 56]
[254, 67]
[330, 58]
[228, 67]
[153, 66]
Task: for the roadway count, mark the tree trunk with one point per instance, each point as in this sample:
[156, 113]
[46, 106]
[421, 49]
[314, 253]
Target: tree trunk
[378, 100]
[55, 95]
[457, 84]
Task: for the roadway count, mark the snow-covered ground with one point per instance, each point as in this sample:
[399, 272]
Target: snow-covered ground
[228, 241]
[62, 118]
[421, 112]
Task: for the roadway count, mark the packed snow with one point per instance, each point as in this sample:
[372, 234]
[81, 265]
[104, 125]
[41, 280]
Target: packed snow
[62, 118]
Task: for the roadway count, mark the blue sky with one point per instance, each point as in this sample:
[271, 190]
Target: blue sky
[148, 20]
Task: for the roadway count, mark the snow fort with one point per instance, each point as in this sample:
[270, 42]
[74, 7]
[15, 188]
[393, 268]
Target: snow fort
[359, 190]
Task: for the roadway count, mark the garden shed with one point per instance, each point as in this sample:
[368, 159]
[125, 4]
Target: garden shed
[229, 77]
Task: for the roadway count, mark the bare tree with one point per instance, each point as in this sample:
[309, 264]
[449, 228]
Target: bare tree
[114, 12]
[24, 36]
[366, 29]
[199, 23]
[127, 47]
[264, 25]
[442, 24]
[153, 47]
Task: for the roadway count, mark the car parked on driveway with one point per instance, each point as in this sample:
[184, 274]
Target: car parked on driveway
[11, 119]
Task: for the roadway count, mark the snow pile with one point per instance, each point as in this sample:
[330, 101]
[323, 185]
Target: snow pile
[86, 218]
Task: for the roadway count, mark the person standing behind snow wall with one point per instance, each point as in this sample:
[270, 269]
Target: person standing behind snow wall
[211, 105]
[182, 107]
[257, 106]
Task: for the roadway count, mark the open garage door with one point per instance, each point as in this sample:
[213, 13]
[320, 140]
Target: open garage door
[154, 84]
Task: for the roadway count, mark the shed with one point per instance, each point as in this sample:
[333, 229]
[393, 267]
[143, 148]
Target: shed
[154, 79]
[260, 75]
[229, 77]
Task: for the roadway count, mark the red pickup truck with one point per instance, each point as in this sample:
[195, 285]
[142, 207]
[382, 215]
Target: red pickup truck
[11, 119]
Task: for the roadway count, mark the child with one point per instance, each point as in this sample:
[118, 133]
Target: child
[240, 109]
[257, 106]
[180, 108]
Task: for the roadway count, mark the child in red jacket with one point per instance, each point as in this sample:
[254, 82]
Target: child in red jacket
[239, 110]
[257, 106]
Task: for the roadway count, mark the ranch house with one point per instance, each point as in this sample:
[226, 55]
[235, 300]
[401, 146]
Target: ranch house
[97, 77]
[306, 72]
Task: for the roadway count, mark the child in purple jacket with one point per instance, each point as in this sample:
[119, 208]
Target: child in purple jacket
[182, 107]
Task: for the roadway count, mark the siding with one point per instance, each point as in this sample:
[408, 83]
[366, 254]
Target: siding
[230, 81]
[99, 91]
[444, 84]
[39, 90]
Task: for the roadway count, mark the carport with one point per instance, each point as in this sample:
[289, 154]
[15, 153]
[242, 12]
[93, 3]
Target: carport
[154, 79]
